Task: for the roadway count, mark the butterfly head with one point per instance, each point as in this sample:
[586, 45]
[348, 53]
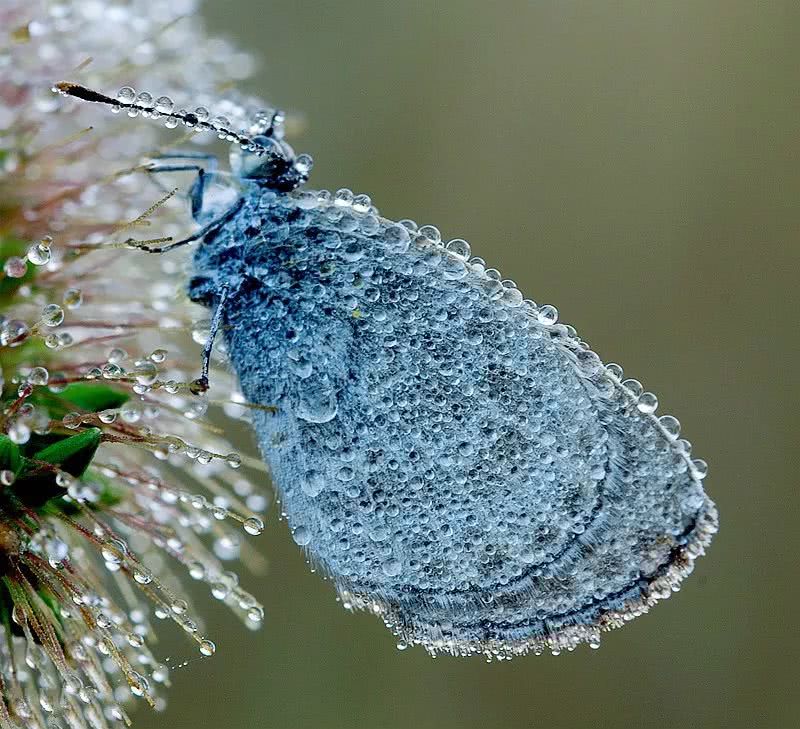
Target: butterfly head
[270, 161]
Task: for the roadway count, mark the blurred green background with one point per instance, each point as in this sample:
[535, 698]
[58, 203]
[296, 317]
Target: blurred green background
[635, 164]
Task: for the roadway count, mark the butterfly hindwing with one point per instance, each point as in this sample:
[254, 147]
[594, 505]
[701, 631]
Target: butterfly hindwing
[451, 457]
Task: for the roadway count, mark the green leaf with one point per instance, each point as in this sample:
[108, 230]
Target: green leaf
[58, 506]
[111, 493]
[73, 454]
[36, 486]
[10, 456]
[52, 602]
[6, 607]
[93, 397]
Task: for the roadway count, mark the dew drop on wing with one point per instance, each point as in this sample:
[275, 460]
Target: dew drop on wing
[316, 404]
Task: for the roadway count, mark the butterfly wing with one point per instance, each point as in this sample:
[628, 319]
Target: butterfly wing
[454, 459]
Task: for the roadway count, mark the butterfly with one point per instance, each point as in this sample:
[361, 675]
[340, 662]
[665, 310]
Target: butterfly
[452, 457]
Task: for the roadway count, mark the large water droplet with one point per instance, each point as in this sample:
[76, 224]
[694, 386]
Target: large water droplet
[253, 526]
[392, 567]
[313, 483]
[302, 536]
[317, 405]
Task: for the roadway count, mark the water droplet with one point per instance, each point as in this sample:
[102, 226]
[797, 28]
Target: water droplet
[253, 525]
[107, 416]
[647, 403]
[117, 355]
[52, 315]
[345, 474]
[19, 433]
[164, 105]
[343, 198]
[179, 607]
[222, 124]
[317, 404]
[112, 371]
[114, 551]
[392, 567]
[146, 372]
[219, 513]
[303, 164]
[397, 238]
[671, 425]
[301, 536]
[255, 614]
[547, 315]
[15, 267]
[634, 387]
[429, 234]
[459, 247]
[39, 254]
[353, 251]
[700, 468]
[72, 298]
[38, 376]
[14, 332]
[512, 297]
[312, 484]
[126, 94]
[71, 420]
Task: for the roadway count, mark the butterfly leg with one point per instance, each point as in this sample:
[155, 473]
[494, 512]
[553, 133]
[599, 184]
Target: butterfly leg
[200, 385]
[208, 228]
[205, 174]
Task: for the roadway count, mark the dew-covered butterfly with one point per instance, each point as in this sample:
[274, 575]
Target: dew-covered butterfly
[455, 460]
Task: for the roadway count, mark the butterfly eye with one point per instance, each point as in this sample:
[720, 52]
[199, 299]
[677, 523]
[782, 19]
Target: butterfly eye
[270, 159]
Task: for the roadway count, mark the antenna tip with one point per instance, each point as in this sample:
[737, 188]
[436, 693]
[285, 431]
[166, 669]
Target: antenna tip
[67, 88]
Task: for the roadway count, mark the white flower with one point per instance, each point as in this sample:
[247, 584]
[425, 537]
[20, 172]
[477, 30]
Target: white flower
[113, 483]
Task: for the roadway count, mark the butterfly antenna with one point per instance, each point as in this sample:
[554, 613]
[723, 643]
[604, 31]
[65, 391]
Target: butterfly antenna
[162, 108]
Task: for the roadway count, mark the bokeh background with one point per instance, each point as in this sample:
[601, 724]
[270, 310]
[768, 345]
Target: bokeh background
[635, 164]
